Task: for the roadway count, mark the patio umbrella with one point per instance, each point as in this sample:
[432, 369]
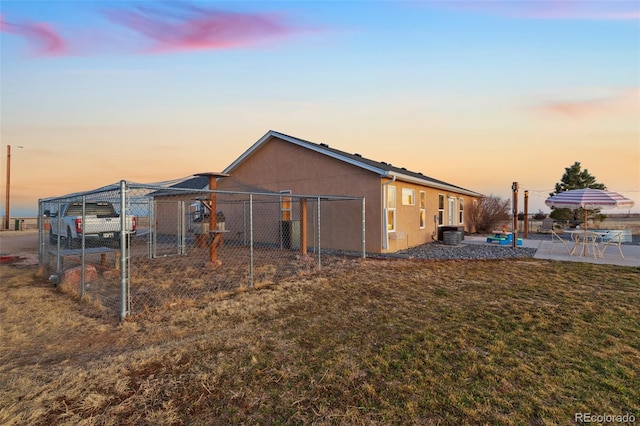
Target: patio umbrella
[588, 198]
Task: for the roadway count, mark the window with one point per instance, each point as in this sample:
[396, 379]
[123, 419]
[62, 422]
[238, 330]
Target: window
[100, 209]
[285, 205]
[440, 209]
[391, 208]
[408, 197]
[461, 203]
[423, 209]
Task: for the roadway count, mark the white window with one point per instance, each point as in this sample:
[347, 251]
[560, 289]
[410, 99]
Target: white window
[461, 204]
[391, 208]
[423, 209]
[440, 209]
[408, 197]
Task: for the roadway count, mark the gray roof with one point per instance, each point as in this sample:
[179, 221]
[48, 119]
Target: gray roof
[380, 167]
[196, 182]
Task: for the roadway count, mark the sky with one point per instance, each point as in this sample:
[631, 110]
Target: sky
[479, 94]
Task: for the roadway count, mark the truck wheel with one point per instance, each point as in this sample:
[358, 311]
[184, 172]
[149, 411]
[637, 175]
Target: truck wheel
[53, 239]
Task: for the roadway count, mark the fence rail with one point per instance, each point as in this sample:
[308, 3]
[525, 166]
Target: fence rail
[164, 245]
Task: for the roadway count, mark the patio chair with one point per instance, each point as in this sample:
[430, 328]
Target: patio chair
[554, 237]
[614, 241]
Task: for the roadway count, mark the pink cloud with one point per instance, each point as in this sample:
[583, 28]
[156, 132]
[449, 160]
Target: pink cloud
[42, 38]
[157, 28]
[625, 100]
[186, 28]
[551, 9]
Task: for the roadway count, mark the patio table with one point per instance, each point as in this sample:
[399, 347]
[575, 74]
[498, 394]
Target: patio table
[585, 242]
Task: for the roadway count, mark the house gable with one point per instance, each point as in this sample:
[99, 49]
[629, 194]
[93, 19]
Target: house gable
[277, 165]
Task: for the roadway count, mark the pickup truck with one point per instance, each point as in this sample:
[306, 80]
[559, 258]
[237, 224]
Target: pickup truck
[101, 224]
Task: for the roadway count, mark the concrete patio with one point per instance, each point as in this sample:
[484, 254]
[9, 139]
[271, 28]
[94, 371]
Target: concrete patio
[546, 249]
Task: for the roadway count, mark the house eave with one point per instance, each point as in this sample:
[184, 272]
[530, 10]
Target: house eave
[435, 185]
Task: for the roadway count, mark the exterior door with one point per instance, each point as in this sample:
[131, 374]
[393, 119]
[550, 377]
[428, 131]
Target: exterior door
[451, 212]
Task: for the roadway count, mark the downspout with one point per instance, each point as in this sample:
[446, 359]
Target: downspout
[385, 230]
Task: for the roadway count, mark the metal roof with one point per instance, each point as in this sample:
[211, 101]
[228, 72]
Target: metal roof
[194, 183]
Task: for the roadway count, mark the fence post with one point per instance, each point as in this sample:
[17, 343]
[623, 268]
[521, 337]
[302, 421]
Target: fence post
[40, 236]
[182, 228]
[319, 249]
[151, 232]
[123, 251]
[364, 228]
[244, 223]
[303, 226]
[59, 227]
[250, 240]
[82, 254]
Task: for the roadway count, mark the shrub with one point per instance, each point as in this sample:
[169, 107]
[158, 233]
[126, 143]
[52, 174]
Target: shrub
[488, 213]
[540, 215]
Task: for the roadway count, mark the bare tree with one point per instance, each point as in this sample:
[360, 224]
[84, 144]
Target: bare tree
[488, 212]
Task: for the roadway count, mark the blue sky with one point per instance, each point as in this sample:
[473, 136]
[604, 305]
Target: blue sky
[151, 91]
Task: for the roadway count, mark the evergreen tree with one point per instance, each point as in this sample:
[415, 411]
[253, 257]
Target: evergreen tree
[574, 178]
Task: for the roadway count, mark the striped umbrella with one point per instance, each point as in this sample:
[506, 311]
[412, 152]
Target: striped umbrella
[588, 198]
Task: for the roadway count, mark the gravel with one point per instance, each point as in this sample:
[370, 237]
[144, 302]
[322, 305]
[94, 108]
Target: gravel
[465, 252]
[471, 251]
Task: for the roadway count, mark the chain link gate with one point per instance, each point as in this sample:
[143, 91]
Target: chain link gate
[167, 247]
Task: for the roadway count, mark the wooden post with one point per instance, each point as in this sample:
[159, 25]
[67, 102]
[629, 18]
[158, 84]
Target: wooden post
[213, 214]
[526, 213]
[303, 226]
[514, 187]
[7, 217]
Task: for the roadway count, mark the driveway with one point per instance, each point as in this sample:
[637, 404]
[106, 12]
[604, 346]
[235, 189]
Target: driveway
[23, 244]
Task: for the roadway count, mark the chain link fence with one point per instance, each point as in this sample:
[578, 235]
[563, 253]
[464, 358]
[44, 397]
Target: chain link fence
[131, 248]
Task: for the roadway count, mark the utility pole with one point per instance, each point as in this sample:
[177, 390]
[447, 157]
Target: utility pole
[7, 204]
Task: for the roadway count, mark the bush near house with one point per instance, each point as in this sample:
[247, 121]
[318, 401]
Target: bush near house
[488, 213]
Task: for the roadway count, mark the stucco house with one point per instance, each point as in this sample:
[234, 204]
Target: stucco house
[403, 208]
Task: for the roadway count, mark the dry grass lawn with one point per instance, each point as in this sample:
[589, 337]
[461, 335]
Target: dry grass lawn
[372, 342]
